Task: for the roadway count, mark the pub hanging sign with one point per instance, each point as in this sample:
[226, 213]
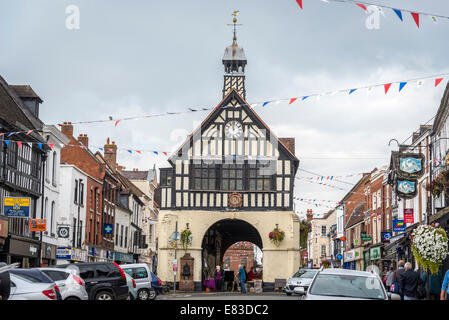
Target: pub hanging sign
[406, 188]
[410, 165]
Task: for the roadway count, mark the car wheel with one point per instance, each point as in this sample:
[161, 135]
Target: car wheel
[152, 295]
[143, 294]
[104, 295]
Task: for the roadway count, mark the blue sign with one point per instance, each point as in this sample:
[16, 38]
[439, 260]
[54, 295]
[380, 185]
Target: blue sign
[63, 253]
[92, 252]
[386, 236]
[339, 256]
[16, 207]
[398, 226]
[108, 228]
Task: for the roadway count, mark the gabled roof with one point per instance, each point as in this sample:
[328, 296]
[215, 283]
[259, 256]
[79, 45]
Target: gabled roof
[25, 91]
[13, 111]
[233, 94]
[356, 216]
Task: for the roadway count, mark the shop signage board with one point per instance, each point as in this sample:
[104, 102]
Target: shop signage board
[406, 188]
[108, 228]
[63, 231]
[39, 225]
[16, 207]
[410, 165]
[364, 237]
[63, 253]
[409, 216]
[375, 253]
[386, 237]
[398, 226]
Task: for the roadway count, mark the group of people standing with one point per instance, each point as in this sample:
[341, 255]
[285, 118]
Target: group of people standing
[242, 277]
[412, 285]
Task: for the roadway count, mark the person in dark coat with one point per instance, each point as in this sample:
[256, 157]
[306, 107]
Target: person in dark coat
[5, 283]
[408, 282]
[242, 279]
[435, 282]
[218, 278]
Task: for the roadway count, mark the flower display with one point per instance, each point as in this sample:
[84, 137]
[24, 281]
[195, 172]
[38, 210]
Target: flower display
[429, 246]
[277, 236]
[186, 239]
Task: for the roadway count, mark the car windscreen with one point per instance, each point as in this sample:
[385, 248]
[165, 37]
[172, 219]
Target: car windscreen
[352, 286]
[308, 275]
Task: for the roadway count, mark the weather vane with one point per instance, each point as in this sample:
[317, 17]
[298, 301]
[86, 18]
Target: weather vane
[234, 22]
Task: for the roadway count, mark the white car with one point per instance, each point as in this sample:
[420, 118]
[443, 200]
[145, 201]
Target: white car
[28, 289]
[71, 286]
[301, 278]
[343, 284]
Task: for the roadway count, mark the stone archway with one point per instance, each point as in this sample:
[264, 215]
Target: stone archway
[219, 237]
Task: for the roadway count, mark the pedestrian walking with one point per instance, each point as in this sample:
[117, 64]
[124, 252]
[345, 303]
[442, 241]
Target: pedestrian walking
[218, 277]
[242, 278]
[390, 277]
[444, 295]
[409, 281]
[435, 283]
[394, 287]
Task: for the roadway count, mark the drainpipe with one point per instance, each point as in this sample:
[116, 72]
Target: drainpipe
[44, 160]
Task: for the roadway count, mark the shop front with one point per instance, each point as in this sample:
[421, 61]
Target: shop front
[352, 259]
[22, 250]
[120, 258]
[66, 255]
[48, 254]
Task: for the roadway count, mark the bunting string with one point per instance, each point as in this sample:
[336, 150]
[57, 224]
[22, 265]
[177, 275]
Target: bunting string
[398, 12]
[436, 80]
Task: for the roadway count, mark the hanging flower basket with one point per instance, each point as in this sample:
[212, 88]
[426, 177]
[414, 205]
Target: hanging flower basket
[186, 239]
[429, 246]
[277, 236]
[326, 263]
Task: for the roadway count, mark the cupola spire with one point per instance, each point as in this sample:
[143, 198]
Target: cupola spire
[234, 62]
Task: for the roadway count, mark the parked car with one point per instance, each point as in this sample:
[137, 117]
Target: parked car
[71, 286]
[156, 284]
[343, 284]
[29, 288]
[142, 275]
[36, 276]
[104, 280]
[131, 287]
[301, 278]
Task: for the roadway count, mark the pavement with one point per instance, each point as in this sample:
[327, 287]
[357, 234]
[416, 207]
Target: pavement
[226, 296]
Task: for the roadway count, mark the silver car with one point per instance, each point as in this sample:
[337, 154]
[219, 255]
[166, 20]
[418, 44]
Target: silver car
[343, 284]
[132, 288]
[301, 278]
[142, 275]
[71, 286]
[27, 288]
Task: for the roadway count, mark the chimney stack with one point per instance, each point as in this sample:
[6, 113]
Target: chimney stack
[110, 153]
[67, 129]
[84, 139]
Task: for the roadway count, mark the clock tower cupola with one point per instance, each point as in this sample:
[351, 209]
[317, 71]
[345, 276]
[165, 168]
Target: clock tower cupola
[234, 62]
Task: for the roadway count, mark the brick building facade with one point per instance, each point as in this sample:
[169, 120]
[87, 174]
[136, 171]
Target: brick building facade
[239, 253]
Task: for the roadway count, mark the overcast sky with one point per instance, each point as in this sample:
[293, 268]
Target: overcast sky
[141, 57]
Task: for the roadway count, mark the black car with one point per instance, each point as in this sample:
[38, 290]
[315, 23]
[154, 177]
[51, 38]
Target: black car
[104, 280]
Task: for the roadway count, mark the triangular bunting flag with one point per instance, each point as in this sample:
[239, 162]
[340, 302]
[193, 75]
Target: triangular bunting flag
[130, 151]
[299, 3]
[292, 100]
[304, 98]
[51, 145]
[165, 153]
[399, 13]
[7, 143]
[19, 143]
[361, 5]
[352, 90]
[415, 17]
[116, 123]
[30, 144]
[402, 85]
[387, 87]
[138, 151]
[265, 103]
[438, 81]
[155, 152]
[40, 145]
[29, 132]
[10, 134]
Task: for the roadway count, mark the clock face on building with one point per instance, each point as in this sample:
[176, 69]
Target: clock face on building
[233, 129]
[235, 200]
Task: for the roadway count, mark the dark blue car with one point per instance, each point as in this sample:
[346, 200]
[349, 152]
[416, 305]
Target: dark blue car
[156, 283]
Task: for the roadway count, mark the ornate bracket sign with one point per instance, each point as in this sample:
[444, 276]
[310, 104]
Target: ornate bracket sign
[410, 165]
